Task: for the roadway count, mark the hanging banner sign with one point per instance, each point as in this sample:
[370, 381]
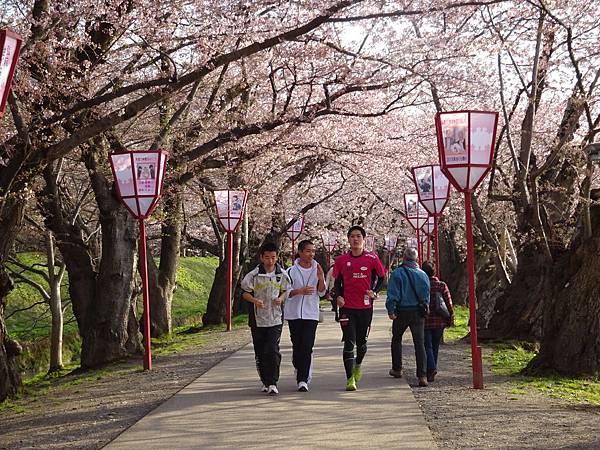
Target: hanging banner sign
[231, 206]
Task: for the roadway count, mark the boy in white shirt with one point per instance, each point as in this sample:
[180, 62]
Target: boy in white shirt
[301, 309]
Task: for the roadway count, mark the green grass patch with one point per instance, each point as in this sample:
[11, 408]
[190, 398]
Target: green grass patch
[461, 325]
[511, 359]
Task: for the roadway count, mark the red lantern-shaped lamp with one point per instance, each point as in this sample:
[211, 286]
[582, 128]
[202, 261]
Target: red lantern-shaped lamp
[294, 232]
[10, 47]
[139, 180]
[433, 189]
[230, 206]
[466, 142]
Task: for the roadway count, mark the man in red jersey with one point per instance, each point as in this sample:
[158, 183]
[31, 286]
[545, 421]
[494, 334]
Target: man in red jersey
[358, 277]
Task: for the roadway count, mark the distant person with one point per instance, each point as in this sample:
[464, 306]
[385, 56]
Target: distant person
[330, 286]
[265, 287]
[358, 277]
[301, 310]
[435, 322]
[407, 303]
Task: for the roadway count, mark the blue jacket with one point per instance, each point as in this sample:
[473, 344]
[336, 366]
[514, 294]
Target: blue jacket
[400, 295]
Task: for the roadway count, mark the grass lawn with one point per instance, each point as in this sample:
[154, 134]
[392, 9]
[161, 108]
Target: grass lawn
[511, 359]
[461, 324]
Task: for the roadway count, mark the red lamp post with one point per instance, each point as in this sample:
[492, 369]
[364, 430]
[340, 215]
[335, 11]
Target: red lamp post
[329, 240]
[428, 229]
[433, 189]
[416, 215]
[139, 180]
[466, 148]
[10, 47]
[230, 211]
[294, 232]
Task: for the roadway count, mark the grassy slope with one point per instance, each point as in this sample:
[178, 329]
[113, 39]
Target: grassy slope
[32, 326]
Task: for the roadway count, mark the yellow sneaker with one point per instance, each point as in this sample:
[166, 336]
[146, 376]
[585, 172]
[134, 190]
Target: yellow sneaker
[351, 384]
[357, 374]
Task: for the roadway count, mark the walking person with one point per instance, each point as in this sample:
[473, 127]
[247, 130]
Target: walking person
[330, 287]
[437, 319]
[407, 304]
[265, 287]
[301, 310]
[358, 278]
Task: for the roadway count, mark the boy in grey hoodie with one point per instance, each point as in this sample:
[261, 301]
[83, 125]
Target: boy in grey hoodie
[265, 287]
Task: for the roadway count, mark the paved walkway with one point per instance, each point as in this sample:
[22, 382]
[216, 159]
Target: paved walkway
[224, 409]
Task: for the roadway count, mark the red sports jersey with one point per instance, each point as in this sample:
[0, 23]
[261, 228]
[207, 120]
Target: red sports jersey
[356, 274]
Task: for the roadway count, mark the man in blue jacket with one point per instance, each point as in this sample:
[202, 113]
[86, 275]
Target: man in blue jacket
[407, 304]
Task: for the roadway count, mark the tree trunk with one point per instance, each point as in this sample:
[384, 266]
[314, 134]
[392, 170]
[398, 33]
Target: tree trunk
[571, 342]
[107, 334]
[56, 338]
[10, 219]
[163, 279]
[216, 308]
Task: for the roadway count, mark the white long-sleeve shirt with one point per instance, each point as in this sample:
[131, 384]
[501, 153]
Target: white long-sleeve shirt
[303, 306]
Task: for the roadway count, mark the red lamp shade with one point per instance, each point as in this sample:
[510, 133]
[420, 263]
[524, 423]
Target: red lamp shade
[466, 146]
[416, 214]
[140, 178]
[231, 206]
[329, 240]
[296, 229]
[370, 243]
[390, 242]
[429, 226]
[433, 187]
[10, 47]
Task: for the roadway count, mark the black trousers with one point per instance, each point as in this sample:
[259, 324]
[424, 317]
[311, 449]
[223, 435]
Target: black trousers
[302, 333]
[414, 321]
[355, 324]
[266, 353]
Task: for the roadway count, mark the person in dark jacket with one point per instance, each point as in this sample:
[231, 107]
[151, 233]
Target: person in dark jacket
[434, 322]
[407, 301]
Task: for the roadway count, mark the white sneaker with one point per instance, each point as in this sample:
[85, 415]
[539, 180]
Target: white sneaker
[272, 390]
[264, 388]
[303, 386]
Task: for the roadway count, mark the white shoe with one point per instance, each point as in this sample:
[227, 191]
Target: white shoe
[303, 386]
[272, 390]
[264, 388]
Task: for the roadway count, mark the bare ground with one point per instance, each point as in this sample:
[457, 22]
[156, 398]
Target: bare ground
[91, 414]
[496, 417]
